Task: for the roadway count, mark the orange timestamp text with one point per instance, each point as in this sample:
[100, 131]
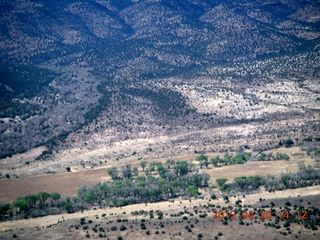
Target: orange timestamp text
[262, 214]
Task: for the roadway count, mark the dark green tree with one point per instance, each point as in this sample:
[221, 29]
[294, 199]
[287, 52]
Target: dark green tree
[143, 164]
[152, 166]
[4, 208]
[203, 160]
[20, 205]
[135, 171]
[43, 196]
[193, 190]
[288, 143]
[221, 181]
[181, 167]
[169, 163]
[113, 172]
[126, 171]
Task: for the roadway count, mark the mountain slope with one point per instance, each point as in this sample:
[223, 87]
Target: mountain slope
[137, 66]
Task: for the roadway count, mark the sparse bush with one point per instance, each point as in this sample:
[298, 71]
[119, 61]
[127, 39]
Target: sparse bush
[288, 143]
[213, 196]
[143, 226]
[85, 227]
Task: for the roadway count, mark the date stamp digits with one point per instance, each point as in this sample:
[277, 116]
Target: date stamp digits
[262, 214]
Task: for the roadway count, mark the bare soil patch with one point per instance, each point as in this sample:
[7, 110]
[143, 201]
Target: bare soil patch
[66, 183]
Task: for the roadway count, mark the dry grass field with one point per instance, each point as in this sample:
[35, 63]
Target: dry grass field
[263, 168]
[65, 183]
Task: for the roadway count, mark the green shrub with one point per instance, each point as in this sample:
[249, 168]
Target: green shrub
[122, 228]
[288, 143]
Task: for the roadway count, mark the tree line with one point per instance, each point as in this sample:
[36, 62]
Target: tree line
[171, 180]
[306, 176]
[33, 205]
[126, 188]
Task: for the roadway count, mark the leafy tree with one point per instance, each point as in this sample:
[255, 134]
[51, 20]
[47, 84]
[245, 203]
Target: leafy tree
[240, 158]
[113, 172]
[43, 196]
[205, 179]
[55, 196]
[68, 169]
[203, 160]
[161, 169]
[215, 161]
[206, 163]
[181, 167]
[193, 190]
[262, 156]
[126, 171]
[152, 166]
[68, 207]
[202, 157]
[143, 164]
[169, 163]
[20, 204]
[135, 171]
[32, 199]
[221, 181]
[4, 208]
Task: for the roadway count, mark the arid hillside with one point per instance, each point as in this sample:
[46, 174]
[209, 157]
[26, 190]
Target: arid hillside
[99, 72]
